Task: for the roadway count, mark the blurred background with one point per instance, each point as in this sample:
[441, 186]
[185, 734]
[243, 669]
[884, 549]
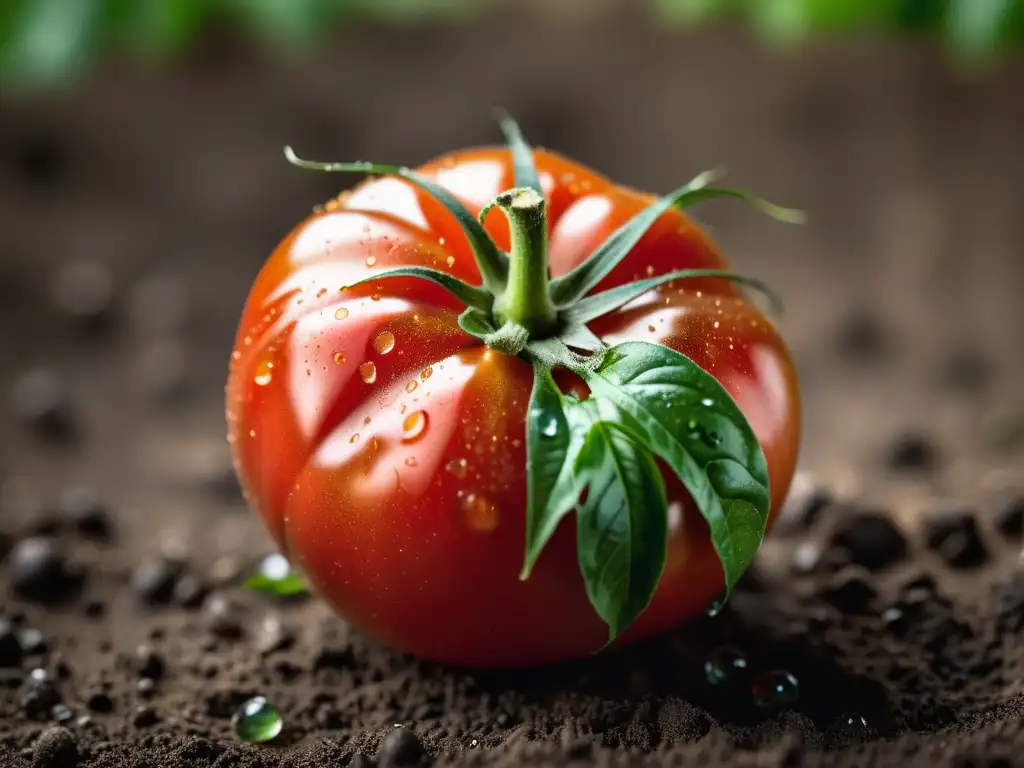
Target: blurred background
[142, 185]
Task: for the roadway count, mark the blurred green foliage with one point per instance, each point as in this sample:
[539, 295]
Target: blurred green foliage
[43, 42]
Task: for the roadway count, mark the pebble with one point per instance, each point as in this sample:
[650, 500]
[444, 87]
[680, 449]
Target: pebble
[10, 645]
[153, 580]
[895, 621]
[1008, 517]
[223, 617]
[39, 570]
[803, 509]
[871, 539]
[862, 334]
[84, 291]
[954, 535]
[189, 592]
[850, 594]
[56, 747]
[39, 400]
[149, 663]
[401, 747]
[145, 687]
[83, 509]
[33, 641]
[145, 716]
[62, 713]
[911, 451]
[100, 702]
[40, 695]
[273, 636]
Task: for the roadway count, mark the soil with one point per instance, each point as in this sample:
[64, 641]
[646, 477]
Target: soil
[137, 208]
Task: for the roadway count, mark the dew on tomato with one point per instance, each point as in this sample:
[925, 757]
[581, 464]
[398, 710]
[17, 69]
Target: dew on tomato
[341, 313]
[384, 342]
[368, 372]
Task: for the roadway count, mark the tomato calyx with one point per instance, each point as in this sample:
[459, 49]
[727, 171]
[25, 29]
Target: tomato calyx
[598, 456]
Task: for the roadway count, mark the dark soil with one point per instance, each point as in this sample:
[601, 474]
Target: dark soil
[138, 207]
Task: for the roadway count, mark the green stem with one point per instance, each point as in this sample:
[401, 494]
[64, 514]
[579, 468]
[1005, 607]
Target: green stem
[526, 300]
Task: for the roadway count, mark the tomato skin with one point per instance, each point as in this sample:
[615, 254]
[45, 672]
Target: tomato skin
[400, 492]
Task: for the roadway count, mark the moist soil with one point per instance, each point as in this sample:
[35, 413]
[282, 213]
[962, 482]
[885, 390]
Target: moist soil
[138, 206]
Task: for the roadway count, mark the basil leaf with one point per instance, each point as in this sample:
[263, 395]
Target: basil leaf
[552, 488]
[622, 527]
[683, 415]
[470, 295]
[491, 260]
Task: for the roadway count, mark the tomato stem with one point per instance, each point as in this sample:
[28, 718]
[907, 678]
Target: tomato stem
[526, 300]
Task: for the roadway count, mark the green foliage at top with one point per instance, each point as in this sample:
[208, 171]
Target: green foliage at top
[44, 42]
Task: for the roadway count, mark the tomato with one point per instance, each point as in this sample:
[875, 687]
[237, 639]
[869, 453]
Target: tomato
[385, 448]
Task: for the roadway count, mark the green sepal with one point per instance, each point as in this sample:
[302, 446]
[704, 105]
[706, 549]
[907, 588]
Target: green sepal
[577, 283]
[524, 170]
[593, 307]
[475, 322]
[491, 260]
[578, 336]
[470, 295]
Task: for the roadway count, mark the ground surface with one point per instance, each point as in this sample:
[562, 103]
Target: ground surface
[903, 313]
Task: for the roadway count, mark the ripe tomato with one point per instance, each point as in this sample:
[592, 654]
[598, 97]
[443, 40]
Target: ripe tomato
[384, 446]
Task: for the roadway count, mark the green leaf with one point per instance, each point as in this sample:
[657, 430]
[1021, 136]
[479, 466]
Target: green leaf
[470, 295]
[492, 262]
[681, 413]
[46, 41]
[622, 527]
[276, 577]
[777, 212]
[552, 488]
[522, 156]
[602, 303]
[576, 283]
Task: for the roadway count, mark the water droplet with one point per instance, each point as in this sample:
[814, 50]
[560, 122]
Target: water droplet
[725, 665]
[707, 402]
[374, 297]
[414, 426]
[371, 260]
[457, 467]
[411, 385]
[426, 373]
[715, 606]
[368, 372]
[339, 358]
[340, 313]
[410, 461]
[650, 270]
[366, 421]
[854, 724]
[440, 241]
[776, 689]
[321, 293]
[264, 373]
[257, 720]
[384, 342]
[550, 428]
[355, 438]
[650, 328]
[450, 261]
[479, 513]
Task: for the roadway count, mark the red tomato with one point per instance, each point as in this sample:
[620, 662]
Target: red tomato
[385, 449]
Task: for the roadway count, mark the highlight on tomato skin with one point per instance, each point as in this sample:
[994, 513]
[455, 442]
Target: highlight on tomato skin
[387, 448]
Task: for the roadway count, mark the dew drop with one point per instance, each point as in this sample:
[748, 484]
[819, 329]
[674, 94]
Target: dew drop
[366, 421]
[550, 429]
[354, 439]
[371, 260]
[321, 293]
[339, 358]
[340, 313]
[716, 605]
[411, 385]
[440, 241]
[375, 297]
[368, 372]
[776, 689]
[264, 373]
[414, 426]
[257, 720]
[410, 461]
[725, 664]
[426, 373]
[650, 328]
[479, 513]
[457, 467]
[707, 402]
[384, 342]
